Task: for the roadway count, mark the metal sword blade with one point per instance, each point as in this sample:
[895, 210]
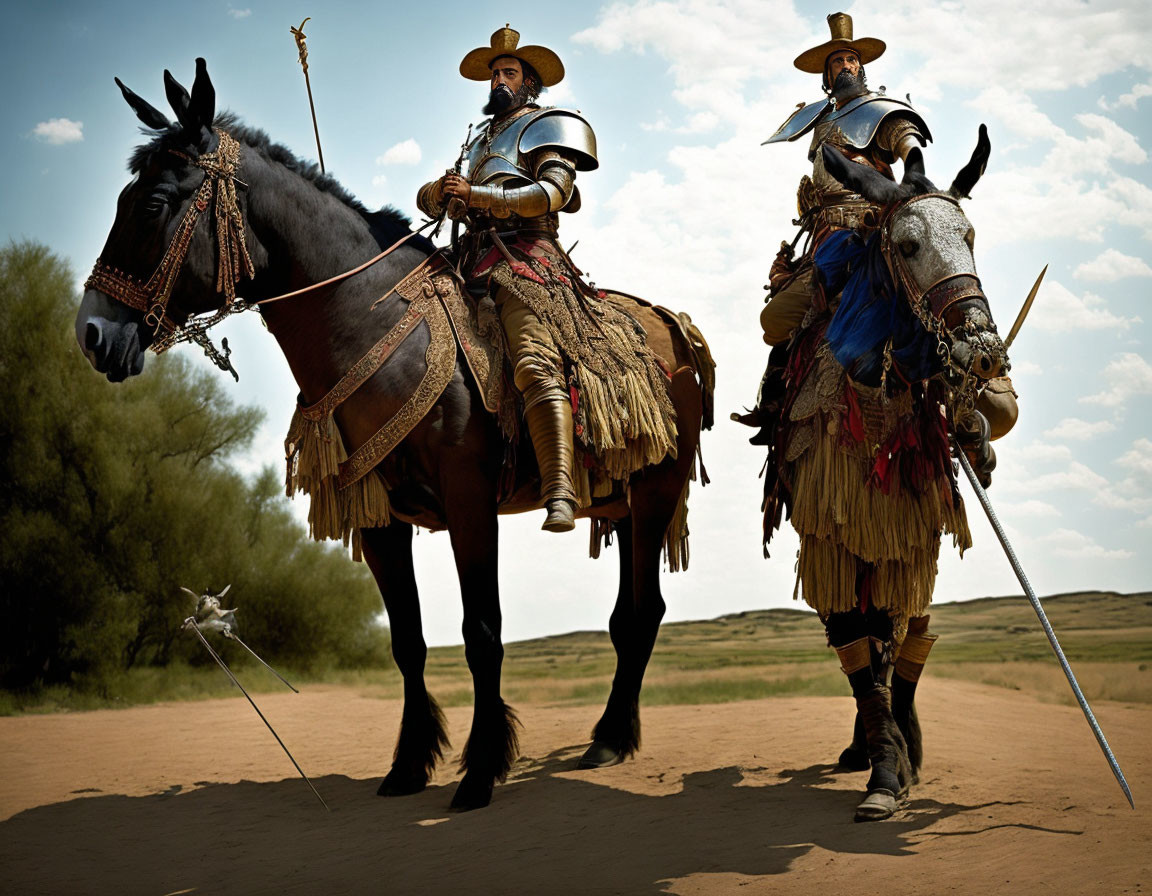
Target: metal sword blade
[1024, 310]
[1019, 570]
[235, 681]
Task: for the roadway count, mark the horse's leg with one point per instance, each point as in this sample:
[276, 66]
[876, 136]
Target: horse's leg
[617, 734]
[388, 551]
[848, 633]
[493, 742]
[635, 622]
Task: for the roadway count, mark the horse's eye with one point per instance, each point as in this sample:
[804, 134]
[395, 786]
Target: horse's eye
[908, 248]
[156, 205]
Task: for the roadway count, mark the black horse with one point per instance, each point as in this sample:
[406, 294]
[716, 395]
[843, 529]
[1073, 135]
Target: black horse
[299, 228]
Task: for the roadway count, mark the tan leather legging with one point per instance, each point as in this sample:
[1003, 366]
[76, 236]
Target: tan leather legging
[537, 365]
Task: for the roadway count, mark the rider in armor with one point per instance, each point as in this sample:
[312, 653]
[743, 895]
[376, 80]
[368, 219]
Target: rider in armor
[570, 350]
[872, 610]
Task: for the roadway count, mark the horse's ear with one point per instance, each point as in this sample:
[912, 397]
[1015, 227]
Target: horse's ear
[203, 96]
[145, 111]
[862, 179]
[180, 102]
[971, 172]
[914, 163]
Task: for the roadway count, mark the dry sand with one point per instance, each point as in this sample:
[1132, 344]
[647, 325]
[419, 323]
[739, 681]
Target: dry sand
[735, 798]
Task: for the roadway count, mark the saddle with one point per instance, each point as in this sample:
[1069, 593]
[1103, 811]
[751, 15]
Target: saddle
[346, 488]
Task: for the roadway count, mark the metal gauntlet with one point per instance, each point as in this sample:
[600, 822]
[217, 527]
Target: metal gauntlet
[429, 200]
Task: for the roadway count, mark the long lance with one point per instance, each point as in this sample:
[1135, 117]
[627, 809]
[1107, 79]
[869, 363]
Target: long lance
[190, 623]
[299, 34]
[1019, 570]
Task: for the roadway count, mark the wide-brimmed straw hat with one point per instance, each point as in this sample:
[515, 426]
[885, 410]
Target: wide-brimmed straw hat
[840, 24]
[477, 65]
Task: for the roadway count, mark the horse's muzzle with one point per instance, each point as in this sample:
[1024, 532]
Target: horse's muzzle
[111, 340]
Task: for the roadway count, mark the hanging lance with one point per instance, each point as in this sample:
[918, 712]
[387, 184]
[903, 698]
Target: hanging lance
[299, 34]
[1035, 601]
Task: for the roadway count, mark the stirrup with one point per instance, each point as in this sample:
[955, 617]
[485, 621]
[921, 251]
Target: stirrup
[561, 515]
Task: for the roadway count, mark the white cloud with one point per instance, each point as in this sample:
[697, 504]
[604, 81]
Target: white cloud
[1139, 459]
[1075, 477]
[1031, 508]
[1077, 430]
[239, 13]
[406, 152]
[1129, 100]
[1110, 266]
[1058, 310]
[379, 180]
[1070, 543]
[58, 131]
[1128, 376]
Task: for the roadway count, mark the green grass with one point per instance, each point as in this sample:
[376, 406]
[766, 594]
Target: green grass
[743, 656]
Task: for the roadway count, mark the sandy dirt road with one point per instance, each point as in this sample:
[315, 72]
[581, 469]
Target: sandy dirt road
[734, 798]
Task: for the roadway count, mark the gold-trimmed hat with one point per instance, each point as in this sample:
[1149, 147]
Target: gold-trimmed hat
[840, 24]
[476, 66]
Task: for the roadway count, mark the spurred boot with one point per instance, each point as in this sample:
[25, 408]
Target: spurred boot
[550, 425]
[905, 676]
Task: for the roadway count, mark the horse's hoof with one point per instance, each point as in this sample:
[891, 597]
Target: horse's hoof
[601, 755]
[473, 792]
[854, 759]
[877, 805]
[397, 784]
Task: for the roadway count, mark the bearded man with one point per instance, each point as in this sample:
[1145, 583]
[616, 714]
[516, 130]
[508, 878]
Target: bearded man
[870, 594]
[572, 350]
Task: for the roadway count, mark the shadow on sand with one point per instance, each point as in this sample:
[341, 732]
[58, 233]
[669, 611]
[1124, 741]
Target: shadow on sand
[546, 832]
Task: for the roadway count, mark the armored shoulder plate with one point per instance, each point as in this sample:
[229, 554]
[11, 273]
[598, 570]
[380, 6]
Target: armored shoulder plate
[562, 130]
[860, 118]
[501, 156]
[800, 122]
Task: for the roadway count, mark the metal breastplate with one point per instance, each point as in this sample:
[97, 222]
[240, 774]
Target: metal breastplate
[502, 156]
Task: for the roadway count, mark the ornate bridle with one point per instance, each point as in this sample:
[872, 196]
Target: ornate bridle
[931, 305]
[151, 298]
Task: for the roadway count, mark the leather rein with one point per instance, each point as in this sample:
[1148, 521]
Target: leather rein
[151, 298]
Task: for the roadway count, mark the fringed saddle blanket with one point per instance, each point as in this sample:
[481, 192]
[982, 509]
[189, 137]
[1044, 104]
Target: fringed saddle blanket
[346, 492]
[867, 468]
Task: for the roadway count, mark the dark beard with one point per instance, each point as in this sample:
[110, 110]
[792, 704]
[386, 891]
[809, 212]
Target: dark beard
[848, 85]
[501, 100]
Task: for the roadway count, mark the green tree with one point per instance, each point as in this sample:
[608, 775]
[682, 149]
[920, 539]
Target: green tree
[111, 497]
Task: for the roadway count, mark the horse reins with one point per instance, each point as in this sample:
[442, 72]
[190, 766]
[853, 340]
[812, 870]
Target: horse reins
[151, 298]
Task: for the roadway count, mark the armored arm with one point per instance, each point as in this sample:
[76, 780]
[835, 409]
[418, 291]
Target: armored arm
[550, 191]
[430, 199]
[897, 135]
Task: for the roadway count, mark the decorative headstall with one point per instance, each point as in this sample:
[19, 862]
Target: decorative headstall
[151, 298]
[932, 304]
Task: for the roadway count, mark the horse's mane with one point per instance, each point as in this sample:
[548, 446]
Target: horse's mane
[388, 224]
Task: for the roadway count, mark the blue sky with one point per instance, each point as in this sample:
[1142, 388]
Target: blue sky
[687, 209]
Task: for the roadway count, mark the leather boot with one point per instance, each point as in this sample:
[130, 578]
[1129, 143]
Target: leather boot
[906, 674]
[887, 751]
[854, 757]
[891, 774]
[550, 425]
